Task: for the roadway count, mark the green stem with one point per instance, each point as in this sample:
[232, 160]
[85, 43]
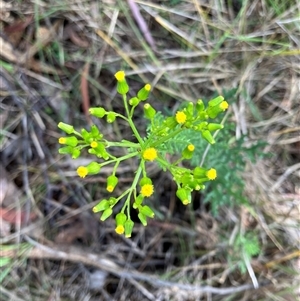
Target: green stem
[164, 139]
[131, 189]
[122, 144]
[120, 159]
[129, 120]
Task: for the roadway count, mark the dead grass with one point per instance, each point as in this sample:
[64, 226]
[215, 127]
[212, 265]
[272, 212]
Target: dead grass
[52, 246]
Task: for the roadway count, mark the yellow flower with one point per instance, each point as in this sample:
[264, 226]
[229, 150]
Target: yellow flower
[110, 188]
[191, 147]
[180, 117]
[224, 105]
[147, 190]
[62, 140]
[82, 171]
[150, 154]
[148, 87]
[120, 76]
[211, 174]
[94, 144]
[120, 229]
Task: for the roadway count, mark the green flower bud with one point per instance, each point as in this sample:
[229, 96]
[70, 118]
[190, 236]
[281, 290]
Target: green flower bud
[122, 86]
[188, 152]
[95, 131]
[101, 206]
[128, 227]
[86, 136]
[112, 201]
[134, 101]
[214, 126]
[190, 109]
[93, 168]
[75, 153]
[184, 195]
[112, 182]
[120, 218]
[200, 105]
[66, 150]
[138, 201]
[72, 141]
[143, 219]
[147, 211]
[120, 221]
[69, 129]
[216, 101]
[111, 117]
[170, 122]
[208, 137]
[199, 172]
[144, 92]
[97, 112]
[213, 111]
[149, 111]
[106, 214]
[145, 181]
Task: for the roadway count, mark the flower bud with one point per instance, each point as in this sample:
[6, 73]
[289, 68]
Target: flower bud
[184, 195]
[138, 201]
[199, 172]
[128, 227]
[72, 141]
[111, 117]
[112, 182]
[95, 132]
[101, 206]
[147, 211]
[120, 221]
[208, 137]
[145, 181]
[216, 101]
[188, 152]
[214, 126]
[144, 92]
[143, 219]
[97, 112]
[149, 111]
[200, 105]
[69, 129]
[66, 150]
[106, 214]
[75, 153]
[122, 86]
[134, 101]
[93, 168]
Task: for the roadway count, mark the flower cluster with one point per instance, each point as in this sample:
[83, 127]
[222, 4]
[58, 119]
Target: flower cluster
[194, 116]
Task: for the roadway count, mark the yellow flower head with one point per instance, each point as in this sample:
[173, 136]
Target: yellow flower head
[191, 147]
[185, 202]
[224, 105]
[148, 87]
[120, 76]
[110, 188]
[180, 117]
[211, 174]
[150, 154]
[120, 229]
[94, 144]
[82, 171]
[147, 190]
[62, 140]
